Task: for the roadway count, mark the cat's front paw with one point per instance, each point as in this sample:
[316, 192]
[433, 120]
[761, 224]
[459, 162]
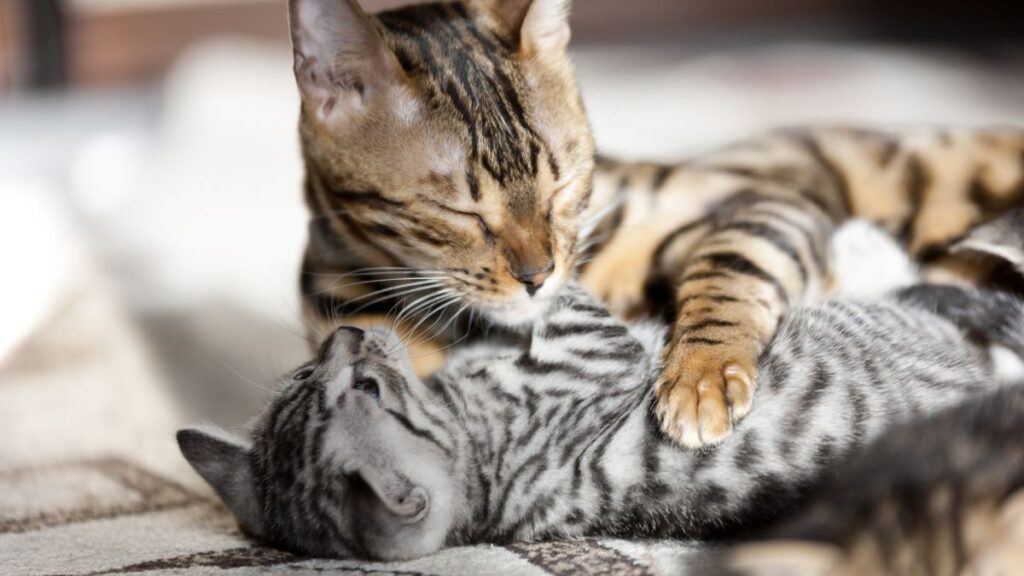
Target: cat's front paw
[619, 282]
[704, 389]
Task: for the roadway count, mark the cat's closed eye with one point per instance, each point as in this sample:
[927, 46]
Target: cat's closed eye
[488, 234]
[485, 228]
[368, 386]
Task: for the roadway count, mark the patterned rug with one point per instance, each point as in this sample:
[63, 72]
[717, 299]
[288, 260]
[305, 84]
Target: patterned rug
[91, 481]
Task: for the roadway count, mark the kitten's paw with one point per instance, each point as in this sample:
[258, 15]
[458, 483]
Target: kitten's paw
[703, 390]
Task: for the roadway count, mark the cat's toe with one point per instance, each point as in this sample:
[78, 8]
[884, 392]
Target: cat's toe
[700, 397]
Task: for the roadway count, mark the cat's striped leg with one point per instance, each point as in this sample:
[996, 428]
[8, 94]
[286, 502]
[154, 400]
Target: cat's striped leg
[764, 253]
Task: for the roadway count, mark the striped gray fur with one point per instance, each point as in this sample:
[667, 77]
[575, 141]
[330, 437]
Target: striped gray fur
[937, 496]
[557, 438]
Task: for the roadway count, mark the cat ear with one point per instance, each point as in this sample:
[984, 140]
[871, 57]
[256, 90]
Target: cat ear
[539, 26]
[339, 57]
[224, 462]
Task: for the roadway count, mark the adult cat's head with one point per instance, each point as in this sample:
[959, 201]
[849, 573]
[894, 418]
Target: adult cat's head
[447, 137]
[354, 457]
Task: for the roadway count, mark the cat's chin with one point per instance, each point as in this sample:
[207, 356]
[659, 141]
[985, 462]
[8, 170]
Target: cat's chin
[519, 314]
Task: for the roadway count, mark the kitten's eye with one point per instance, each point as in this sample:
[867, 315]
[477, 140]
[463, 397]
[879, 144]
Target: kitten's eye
[368, 386]
[303, 373]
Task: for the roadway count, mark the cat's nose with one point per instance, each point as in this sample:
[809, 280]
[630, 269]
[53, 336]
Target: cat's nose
[533, 278]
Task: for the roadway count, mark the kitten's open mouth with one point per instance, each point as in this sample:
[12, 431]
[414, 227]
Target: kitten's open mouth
[397, 494]
[413, 506]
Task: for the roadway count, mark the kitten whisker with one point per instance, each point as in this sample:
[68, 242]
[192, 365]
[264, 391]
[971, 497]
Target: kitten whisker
[246, 378]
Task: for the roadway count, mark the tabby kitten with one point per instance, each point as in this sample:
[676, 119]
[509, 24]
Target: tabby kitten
[358, 457]
[1002, 242]
[450, 168]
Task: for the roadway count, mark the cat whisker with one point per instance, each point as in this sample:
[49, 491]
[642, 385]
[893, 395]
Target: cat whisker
[415, 305]
[588, 227]
[390, 289]
[404, 311]
[424, 302]
[370, 282]
[382, 275]
[445, 327]
[455, 299]
[385, 275]
[439, 309]
[453, 319]
[397, 295]
[393, 273]
[581, 262]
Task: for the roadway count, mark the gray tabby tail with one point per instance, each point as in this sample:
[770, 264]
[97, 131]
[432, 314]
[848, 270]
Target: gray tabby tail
[358, 457]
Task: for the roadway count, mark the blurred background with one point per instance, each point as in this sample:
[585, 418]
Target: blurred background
[150, 213]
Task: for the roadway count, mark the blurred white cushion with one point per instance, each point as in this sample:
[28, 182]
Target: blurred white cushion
[41, 254]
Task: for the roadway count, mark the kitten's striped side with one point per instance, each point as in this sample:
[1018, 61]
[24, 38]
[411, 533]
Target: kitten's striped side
[941, 496]
[558, 439]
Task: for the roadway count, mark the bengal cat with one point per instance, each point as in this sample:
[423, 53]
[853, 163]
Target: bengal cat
[451, 171]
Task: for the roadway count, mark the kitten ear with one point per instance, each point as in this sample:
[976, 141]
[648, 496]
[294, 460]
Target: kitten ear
[1002, 238]
[225, 464]
[339, 57]
[539, 26]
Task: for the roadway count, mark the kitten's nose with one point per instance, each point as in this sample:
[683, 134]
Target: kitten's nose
[346, 339]
[533, 278]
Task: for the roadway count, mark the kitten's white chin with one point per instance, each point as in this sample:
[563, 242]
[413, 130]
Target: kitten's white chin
[520, 313]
